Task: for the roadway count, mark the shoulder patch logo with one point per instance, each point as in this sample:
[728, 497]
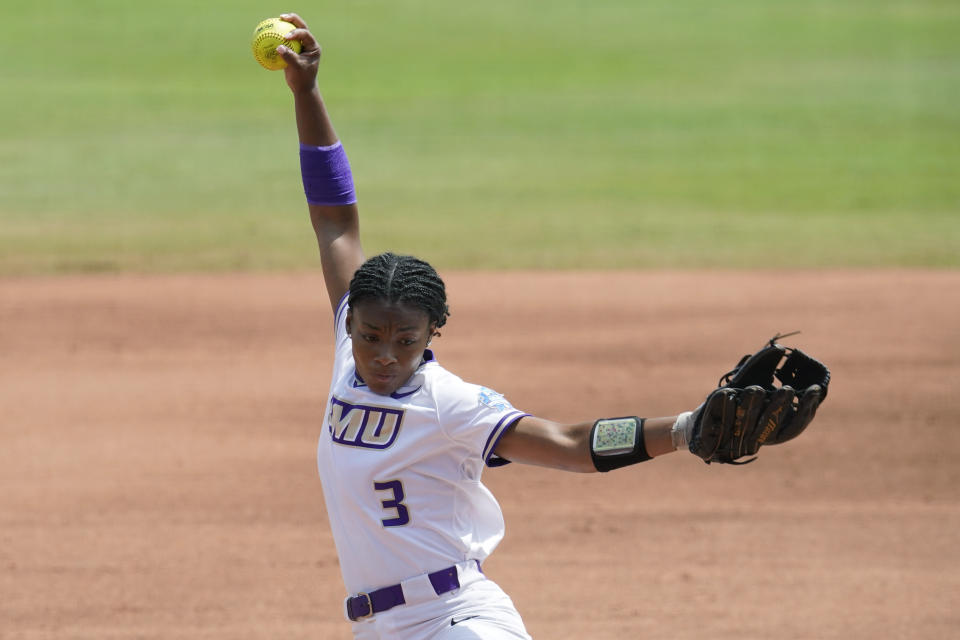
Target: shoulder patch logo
[493, 400]
[364, 426]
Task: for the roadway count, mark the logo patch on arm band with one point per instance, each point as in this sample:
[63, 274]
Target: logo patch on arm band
[617, 442]
[615, 436]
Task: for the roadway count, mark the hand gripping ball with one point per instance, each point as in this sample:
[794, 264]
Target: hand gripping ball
[267, 37]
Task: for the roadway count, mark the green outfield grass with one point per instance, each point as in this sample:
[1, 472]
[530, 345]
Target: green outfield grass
[502, 134]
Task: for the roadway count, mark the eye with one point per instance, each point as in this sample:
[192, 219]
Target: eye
[407, 342]
[367, 337]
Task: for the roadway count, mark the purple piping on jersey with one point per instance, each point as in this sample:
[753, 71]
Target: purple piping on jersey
[505, 423]
[341, 307]
[396, 395]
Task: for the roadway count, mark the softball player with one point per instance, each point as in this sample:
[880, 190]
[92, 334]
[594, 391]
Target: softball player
[404, 441]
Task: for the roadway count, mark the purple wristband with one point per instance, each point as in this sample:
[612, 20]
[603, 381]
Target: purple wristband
[327, 179]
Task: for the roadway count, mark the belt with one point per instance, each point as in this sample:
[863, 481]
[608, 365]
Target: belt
[364, 605]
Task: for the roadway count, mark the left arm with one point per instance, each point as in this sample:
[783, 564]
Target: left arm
[567, 446]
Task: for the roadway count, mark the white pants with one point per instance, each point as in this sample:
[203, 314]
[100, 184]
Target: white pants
[478, 609]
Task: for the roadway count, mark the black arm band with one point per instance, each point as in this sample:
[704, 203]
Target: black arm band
[617, 442]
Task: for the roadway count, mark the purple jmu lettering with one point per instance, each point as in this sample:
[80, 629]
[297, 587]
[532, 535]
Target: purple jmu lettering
[357, 425]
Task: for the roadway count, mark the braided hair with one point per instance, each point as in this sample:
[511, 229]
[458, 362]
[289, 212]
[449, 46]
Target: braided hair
[401, 279]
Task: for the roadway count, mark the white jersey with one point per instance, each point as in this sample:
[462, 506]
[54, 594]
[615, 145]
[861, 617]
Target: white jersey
[401, 473]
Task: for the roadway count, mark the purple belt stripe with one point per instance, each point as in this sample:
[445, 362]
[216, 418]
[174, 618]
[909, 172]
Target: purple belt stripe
[367, 604]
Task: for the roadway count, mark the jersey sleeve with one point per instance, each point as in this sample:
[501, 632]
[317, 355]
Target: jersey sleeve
[342, 349]
[476, 417]
[340, 319]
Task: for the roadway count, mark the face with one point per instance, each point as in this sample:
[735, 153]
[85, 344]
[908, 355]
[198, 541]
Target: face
[388, 342]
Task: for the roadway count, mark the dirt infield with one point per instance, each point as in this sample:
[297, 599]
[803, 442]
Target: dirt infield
[157, 468]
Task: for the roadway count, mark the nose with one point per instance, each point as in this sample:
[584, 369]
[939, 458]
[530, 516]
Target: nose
[384, 355]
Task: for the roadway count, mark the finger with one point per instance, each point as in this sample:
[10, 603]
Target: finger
[293, 19]
[776, 416]
[305, 38]
[289, 55]
[745, 423]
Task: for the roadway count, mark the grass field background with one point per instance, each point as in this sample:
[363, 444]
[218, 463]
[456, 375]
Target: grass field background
[502, 134]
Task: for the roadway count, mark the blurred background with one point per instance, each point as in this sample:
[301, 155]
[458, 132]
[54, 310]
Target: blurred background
[611, 133]
[157, 434]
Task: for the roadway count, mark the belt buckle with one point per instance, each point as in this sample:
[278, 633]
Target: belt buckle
[350, 613]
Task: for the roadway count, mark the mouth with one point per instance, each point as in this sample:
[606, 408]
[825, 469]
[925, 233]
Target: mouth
[381, 377]
[382, 380]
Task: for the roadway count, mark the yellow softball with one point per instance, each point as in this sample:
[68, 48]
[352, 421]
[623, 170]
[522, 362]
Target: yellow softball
[267, 37]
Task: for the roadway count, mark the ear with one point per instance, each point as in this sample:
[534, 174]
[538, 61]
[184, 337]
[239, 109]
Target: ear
[349, 320]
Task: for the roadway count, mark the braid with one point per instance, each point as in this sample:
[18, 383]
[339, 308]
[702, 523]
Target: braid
[401, 279]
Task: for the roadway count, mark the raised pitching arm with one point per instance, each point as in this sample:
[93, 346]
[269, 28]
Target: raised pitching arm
[337, 226]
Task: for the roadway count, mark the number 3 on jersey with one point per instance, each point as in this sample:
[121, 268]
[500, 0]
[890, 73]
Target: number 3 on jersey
[402, 515]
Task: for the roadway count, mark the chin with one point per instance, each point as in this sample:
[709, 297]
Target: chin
[382, 390]
[382, 387]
